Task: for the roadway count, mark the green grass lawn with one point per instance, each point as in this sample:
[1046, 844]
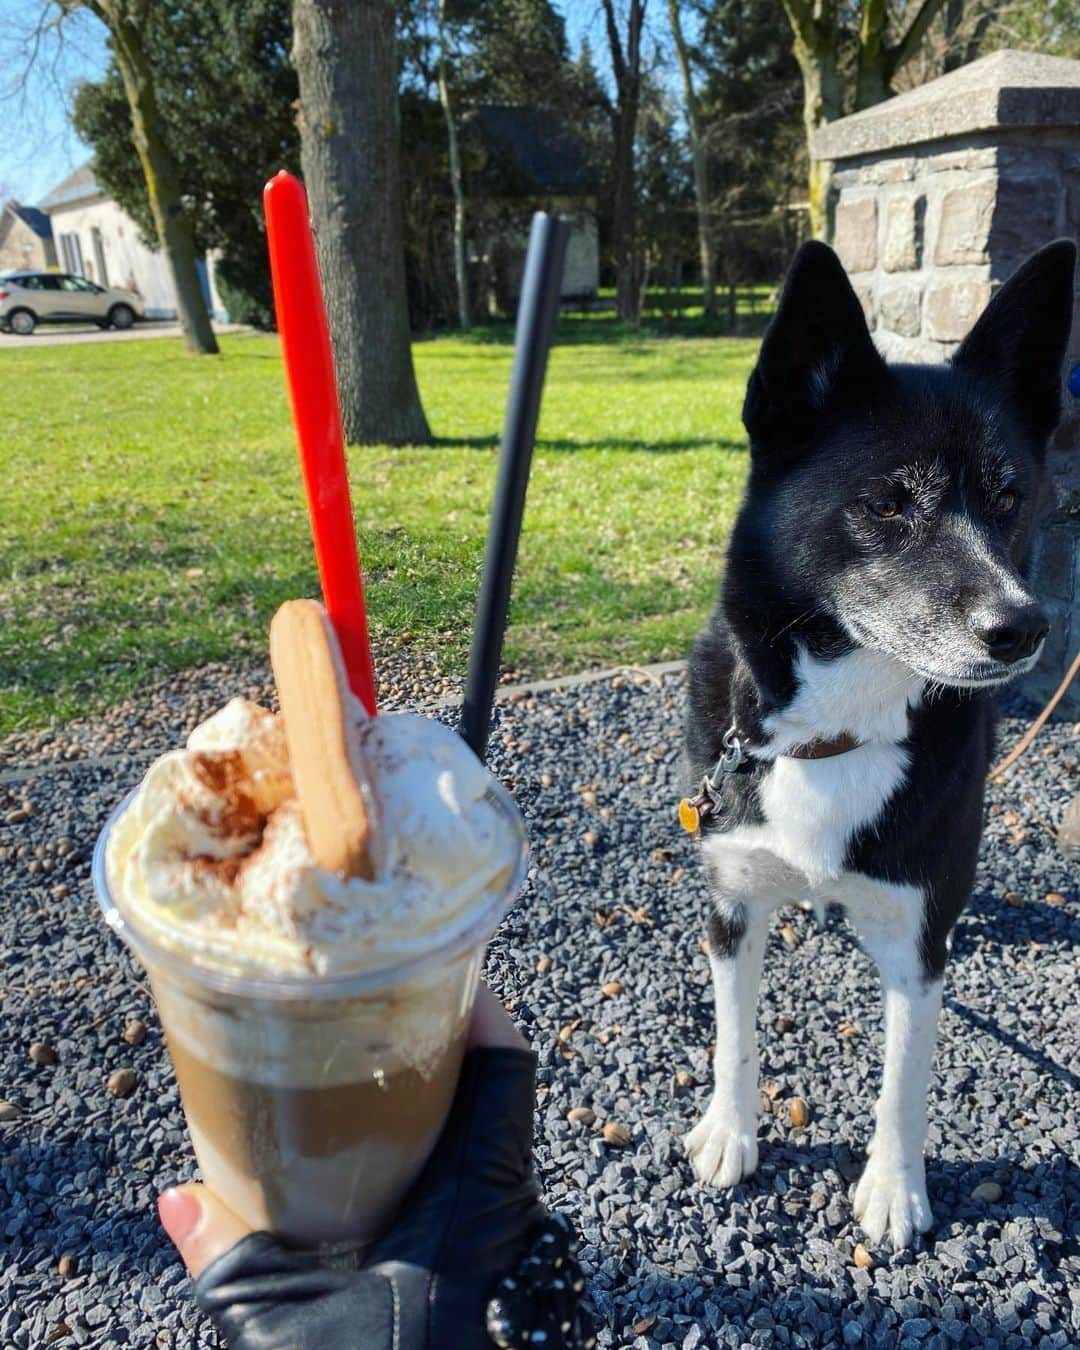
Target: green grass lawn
[154, 519]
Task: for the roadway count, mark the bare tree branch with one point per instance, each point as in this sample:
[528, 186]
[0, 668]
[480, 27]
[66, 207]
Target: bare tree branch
[618, 61]
[873, 21]
[801, 14]
[901, 52]
[637, 23]
[40, 60]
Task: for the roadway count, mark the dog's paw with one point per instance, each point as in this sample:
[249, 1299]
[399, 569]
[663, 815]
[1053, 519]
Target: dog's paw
[891, 1198]
[722, 1147]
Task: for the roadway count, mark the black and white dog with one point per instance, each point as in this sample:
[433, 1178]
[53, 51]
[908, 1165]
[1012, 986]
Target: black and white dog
[841, 695]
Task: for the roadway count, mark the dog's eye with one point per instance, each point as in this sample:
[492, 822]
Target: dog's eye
[886, 508]
[1004, 502]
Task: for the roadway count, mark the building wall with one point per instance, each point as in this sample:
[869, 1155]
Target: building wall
[217, 305]
[581, 275]
[20, 247]
[128, 262]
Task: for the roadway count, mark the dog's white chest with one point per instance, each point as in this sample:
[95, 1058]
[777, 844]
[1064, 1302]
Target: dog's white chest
[813, 808]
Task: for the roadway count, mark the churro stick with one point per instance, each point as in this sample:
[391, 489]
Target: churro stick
[332, 780]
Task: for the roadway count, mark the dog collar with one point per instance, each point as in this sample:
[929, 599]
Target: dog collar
[694, 810]
[839, 745]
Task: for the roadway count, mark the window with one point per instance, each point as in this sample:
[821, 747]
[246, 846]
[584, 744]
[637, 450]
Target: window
[71, 252]
[79, 284]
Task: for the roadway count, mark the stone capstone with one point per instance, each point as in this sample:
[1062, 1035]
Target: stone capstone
[1005, 89]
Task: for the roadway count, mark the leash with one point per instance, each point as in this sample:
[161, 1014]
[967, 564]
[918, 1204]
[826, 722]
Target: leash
[1036, 726]
[694, 810]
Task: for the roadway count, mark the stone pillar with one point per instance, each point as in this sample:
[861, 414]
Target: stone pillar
[940, 194]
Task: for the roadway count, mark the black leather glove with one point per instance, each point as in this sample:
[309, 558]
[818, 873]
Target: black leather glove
[470, 1261]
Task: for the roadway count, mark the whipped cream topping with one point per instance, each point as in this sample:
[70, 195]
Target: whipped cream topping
[211, 856]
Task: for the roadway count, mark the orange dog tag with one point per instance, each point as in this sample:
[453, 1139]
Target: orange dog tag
[689, 816]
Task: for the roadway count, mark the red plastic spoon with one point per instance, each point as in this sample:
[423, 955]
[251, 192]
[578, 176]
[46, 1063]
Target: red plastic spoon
[309, 369]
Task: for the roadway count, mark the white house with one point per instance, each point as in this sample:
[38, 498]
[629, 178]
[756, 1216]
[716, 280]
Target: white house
[97, 239]
[528, 156]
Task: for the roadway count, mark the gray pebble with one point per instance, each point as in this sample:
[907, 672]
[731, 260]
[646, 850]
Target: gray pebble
[732, 1268]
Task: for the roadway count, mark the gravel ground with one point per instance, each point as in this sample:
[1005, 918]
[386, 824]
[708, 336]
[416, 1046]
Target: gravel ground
[615, 899]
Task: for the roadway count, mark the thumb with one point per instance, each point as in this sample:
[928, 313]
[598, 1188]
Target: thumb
[200, 1226]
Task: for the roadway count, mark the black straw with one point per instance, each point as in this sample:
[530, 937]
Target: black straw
[537, 310]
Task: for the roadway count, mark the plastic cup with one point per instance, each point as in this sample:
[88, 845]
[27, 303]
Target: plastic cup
[314, 1101]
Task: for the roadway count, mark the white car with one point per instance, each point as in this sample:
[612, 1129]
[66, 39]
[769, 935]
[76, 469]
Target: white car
[30, 298]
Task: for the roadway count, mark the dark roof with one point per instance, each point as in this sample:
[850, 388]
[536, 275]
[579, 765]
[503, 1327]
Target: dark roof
[38, 221]
[529, 152]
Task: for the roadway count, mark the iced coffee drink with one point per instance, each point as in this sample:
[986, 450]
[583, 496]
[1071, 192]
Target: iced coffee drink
[316, 1020]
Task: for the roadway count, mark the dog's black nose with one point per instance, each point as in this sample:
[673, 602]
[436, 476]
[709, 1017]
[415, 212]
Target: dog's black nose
[1010, 632]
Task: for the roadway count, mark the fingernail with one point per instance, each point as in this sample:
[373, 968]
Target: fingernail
[180, 1212]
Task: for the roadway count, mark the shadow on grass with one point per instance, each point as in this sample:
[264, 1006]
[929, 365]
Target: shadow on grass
[558, 443]
[579, 330]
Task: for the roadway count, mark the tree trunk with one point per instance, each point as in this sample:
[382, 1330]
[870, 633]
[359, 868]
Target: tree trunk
[174, 230]
[879, 62]
[816, 52]
[626, 64]
[624, 221]
[872, 77]
[821, 104]
[345, 56]
[701, 168]
[816, 28]
[964, 32]
[460, 275]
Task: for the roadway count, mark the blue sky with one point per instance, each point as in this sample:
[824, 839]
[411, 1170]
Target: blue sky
[38, 147]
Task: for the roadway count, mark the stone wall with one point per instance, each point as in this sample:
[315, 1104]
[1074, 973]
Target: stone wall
[925, 237]
[939, 195]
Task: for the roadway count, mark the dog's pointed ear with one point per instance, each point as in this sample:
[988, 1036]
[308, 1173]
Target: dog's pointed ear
[1019, 340]
[816, 347]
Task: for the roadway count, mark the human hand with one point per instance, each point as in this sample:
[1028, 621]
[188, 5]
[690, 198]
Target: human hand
[467, 1224]
[203, 1228]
